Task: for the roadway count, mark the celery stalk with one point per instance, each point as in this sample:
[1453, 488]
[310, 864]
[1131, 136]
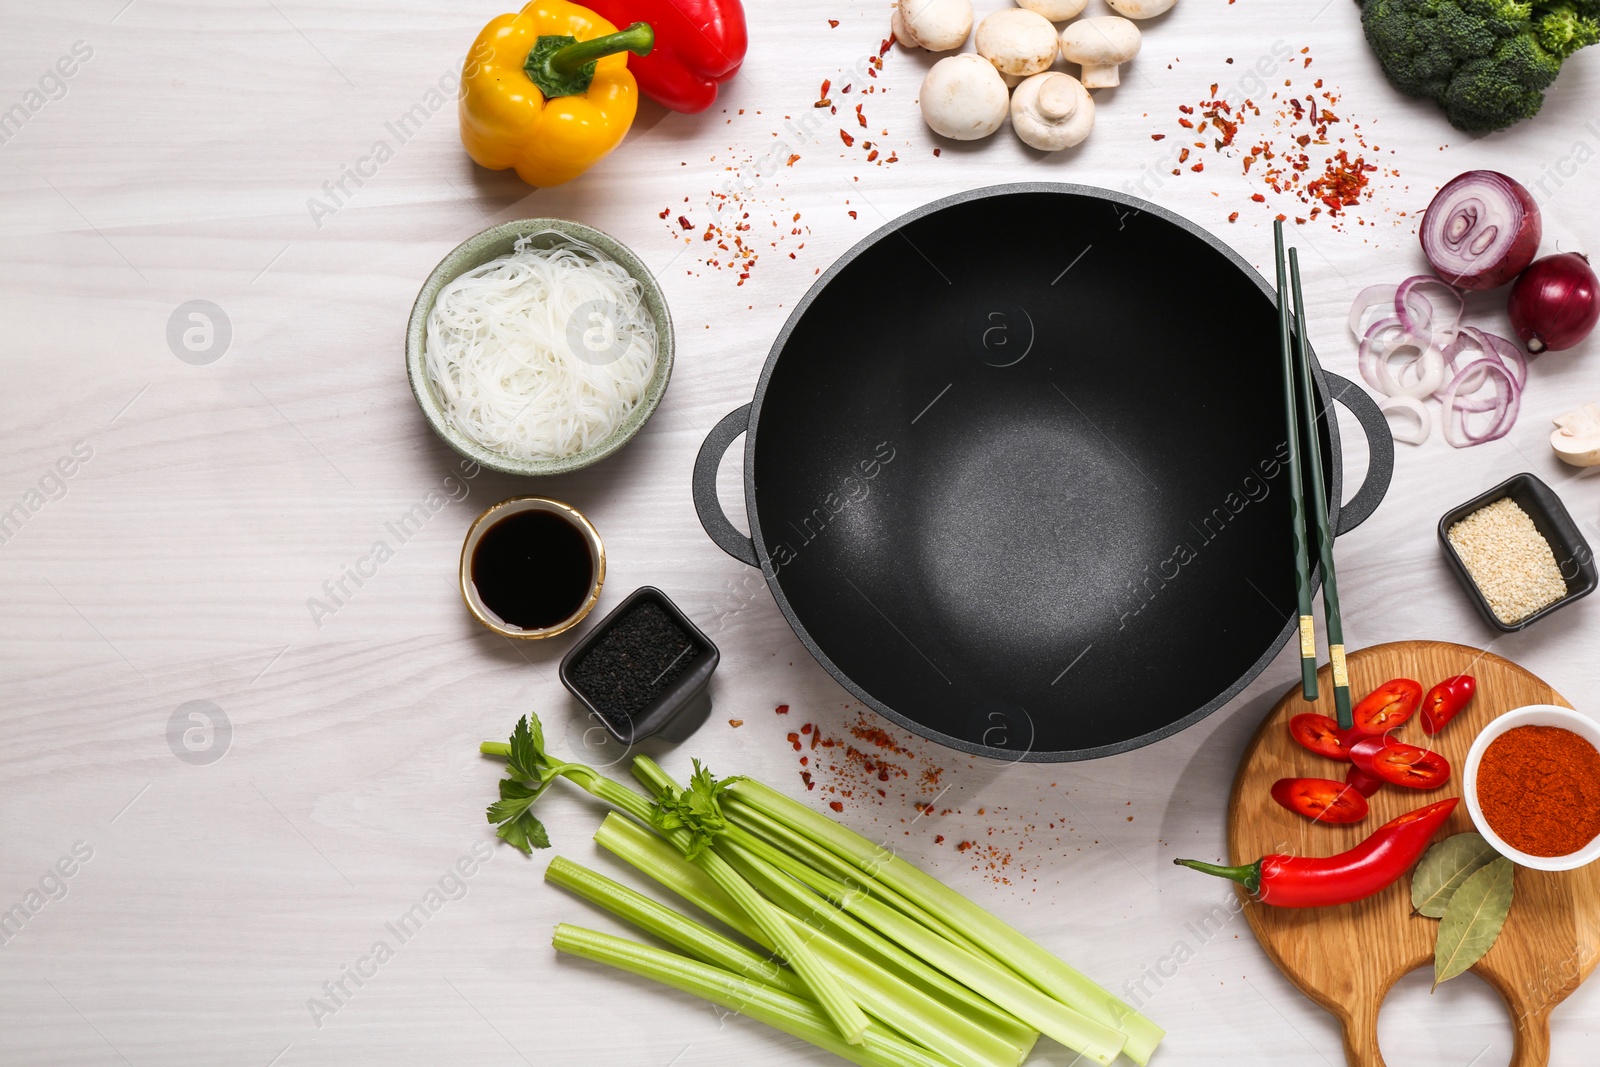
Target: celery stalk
[1026, 958]
[828, 993]
[1077, 1031]
[883, 995]
[677, 930]
[799, 1018]
[645, 851]
[801, 847]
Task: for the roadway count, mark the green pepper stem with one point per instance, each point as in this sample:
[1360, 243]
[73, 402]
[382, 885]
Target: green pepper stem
[560, 65]
[1248, 875]
[638, 38]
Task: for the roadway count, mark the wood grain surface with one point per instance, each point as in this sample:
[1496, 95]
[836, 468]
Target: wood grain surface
[190, 158]
[1348, 958]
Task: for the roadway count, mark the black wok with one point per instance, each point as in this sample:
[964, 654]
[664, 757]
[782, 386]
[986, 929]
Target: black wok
[1015, 472]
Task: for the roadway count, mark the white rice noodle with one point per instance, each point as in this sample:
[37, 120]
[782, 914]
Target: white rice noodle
[542, 353]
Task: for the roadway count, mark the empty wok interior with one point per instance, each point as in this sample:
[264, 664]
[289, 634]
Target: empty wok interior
[1018, 469]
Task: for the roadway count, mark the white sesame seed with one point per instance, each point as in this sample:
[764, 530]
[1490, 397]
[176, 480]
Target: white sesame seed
[1509, 560]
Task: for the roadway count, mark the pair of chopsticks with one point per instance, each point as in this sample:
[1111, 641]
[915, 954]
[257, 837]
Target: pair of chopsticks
[1300, 405]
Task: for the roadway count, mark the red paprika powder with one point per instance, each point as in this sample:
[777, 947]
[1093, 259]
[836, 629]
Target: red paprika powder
[1539, 788]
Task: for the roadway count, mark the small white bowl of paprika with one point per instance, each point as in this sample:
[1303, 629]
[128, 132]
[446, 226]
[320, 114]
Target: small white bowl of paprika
[1532, 787]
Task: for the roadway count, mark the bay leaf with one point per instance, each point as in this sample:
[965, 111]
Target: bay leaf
[1472, 919]
[1443, 868]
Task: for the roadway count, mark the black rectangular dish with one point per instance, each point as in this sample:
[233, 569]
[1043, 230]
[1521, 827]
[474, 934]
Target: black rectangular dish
[643, 669]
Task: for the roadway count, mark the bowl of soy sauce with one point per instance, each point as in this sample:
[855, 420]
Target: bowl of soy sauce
[531, 567]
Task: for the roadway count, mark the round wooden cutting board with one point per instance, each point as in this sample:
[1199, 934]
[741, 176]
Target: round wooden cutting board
[1347, 958]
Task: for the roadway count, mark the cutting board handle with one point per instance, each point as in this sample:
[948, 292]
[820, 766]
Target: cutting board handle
[1531, 1048]
[1361, 1036]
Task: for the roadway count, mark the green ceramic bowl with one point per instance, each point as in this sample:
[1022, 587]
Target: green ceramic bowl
[490, 244]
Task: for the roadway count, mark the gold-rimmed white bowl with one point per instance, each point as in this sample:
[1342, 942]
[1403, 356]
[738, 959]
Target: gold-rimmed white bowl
[516, 506]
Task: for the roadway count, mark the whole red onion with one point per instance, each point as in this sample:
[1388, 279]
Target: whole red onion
[1555, 302]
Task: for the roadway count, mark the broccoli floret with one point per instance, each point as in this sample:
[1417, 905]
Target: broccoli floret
[1486, 62]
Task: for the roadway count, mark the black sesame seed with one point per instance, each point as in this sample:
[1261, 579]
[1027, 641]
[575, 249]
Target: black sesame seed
[637, 657]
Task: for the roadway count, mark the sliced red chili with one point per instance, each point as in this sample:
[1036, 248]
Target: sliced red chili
[1446, 700]
[1364, 783]
[1320, 799]
[1401, 764]
[1320, 734]
[1364, 753]
[1387, 706]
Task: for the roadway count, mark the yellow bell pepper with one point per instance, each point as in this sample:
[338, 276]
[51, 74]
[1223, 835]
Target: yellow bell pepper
[548, 91]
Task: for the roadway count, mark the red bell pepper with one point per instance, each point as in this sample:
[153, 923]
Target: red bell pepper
[699, 45]
[1313, 882]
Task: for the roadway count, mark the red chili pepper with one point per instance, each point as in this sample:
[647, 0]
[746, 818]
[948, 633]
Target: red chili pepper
[699, 45]
[1400, 764]
[1321, 735]
[1363, 783]
[1446, 700]
[1387, 706]
[1320, 799]
[1318, 881]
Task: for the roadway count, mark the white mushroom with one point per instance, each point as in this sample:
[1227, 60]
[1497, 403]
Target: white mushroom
[1577, 438]
[963, 97]
[1141, 9]
[1100, 45]
[1052, 111]
[1057, 10]
[937, 25]
[1017, 41]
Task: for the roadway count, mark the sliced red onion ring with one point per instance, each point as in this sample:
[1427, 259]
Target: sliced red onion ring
[1508, 400]
[1419, 311]
[1490, 346]
[1377, 298]
[1384, 339]
[1407, 405]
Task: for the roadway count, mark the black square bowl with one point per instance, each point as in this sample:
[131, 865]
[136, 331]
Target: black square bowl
[678, 706]
[1552, 520]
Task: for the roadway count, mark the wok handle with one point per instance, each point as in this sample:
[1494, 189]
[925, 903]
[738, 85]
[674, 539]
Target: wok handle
[1380, 451]
[707, 505]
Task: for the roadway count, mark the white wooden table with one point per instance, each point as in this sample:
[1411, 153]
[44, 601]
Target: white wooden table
[210, 498]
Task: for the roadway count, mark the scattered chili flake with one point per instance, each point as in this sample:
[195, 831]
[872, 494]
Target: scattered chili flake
[852, 214]
[846, 138]
[792, 160]
[1198, 167]
[872, 155]
[824, 102]
[1233, 217]
[1258, 198]
[1183, 156]
[836, 805]
[781, 709]
[935, 151]
[1158, 137]
[833, 24]
[685, 223]
[664, 213]
[938, 839]
[860, 117]
[826, 85]
[735, 723]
